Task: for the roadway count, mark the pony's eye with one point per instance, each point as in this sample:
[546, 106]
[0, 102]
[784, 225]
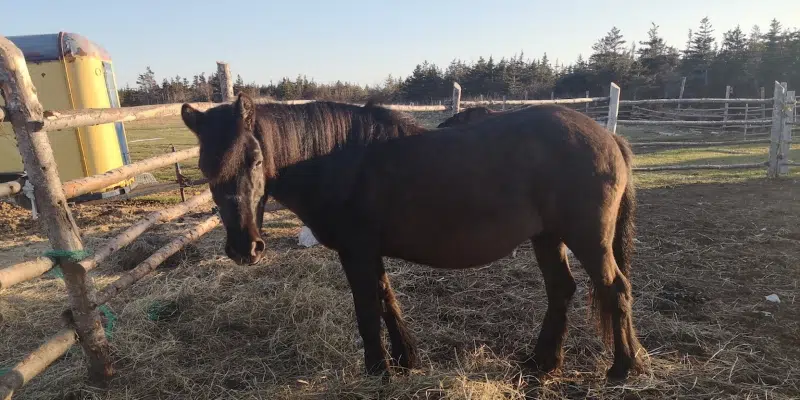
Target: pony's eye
[257, 164]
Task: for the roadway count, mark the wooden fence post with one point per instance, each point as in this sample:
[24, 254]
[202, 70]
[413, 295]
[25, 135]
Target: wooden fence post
[725, 113]
[778, 101]
[457, 98]
[27, 119]
[613, 108]
[763, 106]
[225, 82]
[746, 111]
[680, 95]
[504, 102]
[786, 132]
[586, 108]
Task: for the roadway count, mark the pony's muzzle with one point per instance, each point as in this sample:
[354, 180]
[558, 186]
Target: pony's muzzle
[257, 248]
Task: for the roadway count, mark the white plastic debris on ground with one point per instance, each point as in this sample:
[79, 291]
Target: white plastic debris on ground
[773, 298]
[306, 238]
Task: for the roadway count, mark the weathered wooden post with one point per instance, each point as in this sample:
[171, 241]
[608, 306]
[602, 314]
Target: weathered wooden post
[37, 156]
[789, 105]
[586, 110]
[179, 178]
[457, 98]
[763, 106]
[728, 90]
[775, 146]
[746, 111]
[613, 108]
[504, 102]
[225, 82]
[680, 95]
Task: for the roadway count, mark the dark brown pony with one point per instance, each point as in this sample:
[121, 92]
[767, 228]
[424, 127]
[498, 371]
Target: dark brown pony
[370, 182]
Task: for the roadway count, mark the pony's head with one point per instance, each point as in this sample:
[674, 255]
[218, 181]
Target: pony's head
[466, 116]
[231, 157]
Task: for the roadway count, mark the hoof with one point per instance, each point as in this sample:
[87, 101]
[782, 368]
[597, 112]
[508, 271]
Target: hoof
[405, 361]
[617, 374]
[543, 364]
[621, 370]
[377, 368]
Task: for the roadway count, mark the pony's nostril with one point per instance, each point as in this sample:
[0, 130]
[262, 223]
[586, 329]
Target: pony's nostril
[257, 247]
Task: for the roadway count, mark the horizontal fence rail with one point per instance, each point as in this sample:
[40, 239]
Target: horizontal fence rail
[65, 119]
[700, 167]
[695, 101]
[36, 362]
[579, 100]
[81, 186]
[151, 263]
[734, 122]
[699, 144]
[9, 189]
[129, 235]
[24, 271]
[28, 270]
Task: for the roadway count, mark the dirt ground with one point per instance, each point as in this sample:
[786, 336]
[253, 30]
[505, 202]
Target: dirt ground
[204, 328]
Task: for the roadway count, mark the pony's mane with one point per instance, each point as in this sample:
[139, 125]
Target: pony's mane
[293, 133]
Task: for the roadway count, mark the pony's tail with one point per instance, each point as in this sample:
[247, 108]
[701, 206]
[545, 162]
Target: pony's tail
[625, 231]
[622, 247]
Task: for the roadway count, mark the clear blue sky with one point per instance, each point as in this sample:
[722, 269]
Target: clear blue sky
[363, 41]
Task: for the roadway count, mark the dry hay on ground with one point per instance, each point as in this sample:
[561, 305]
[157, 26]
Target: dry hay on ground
[707, 256]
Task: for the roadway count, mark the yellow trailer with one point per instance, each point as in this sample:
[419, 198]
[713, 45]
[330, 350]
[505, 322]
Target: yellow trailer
[70, 73]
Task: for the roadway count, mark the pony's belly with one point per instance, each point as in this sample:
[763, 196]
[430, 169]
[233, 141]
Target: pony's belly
[459, 246]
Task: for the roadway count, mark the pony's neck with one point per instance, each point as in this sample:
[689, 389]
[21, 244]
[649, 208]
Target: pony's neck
[290, 134]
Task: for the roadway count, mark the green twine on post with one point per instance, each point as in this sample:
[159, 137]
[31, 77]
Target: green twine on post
[111, 319]
[77, 256]
[69, 255]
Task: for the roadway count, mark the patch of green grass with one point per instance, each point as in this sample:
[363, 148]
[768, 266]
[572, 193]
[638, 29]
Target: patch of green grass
[159, 136]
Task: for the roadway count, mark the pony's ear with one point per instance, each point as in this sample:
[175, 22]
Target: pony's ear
[246, 112]
[191, 117]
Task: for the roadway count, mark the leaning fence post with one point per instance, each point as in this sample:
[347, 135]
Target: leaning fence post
[777, 129]
[456, 98]
[786, 132]
[613, 108]
[26, 117]
[225, 82]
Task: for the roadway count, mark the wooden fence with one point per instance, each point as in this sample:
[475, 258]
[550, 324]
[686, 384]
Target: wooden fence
[30, 123]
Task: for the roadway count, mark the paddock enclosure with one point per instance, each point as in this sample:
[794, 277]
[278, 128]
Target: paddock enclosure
[135, 298]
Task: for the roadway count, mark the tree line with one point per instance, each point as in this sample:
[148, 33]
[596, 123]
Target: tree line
[644, 69]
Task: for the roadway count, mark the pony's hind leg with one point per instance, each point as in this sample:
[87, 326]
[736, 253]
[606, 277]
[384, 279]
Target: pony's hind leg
[404, 348]
[612, 300]
[560, 286]
[363, 274]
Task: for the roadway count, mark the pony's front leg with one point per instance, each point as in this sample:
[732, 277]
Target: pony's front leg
[362, 274]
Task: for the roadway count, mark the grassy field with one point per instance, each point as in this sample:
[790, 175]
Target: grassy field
[710, 246]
